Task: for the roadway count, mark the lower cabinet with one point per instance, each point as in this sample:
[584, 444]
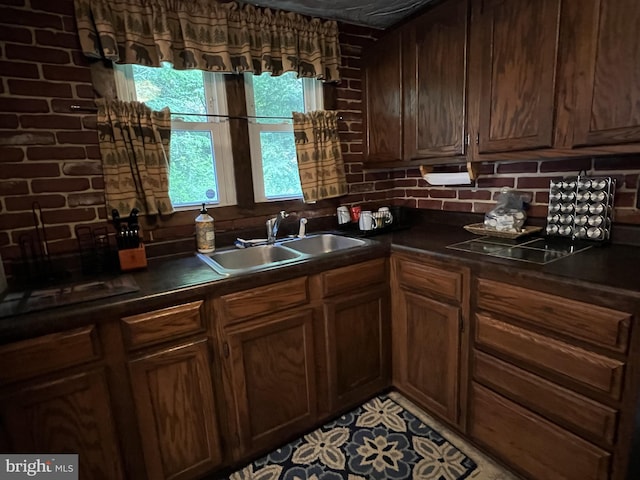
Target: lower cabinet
[358, 334]
[427, 335]
[175, 406]
[54, 398]
[70, 414]
[430, 340]
[530, 443]
[549, 390]
[271, 364]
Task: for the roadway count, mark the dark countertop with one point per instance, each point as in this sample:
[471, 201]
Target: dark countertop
[172, 280]
[167, 281]
[615, 267]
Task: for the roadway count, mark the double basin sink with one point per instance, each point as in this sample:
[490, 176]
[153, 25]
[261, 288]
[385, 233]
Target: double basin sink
[259, 257]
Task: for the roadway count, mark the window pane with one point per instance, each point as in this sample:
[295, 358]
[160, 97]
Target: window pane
[279, 165]
[180, 90]
[192, 170]
[277, 96]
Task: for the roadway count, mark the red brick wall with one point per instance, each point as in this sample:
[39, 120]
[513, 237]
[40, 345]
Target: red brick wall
[48, 153]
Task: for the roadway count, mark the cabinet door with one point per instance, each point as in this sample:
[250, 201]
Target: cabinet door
[435, 79]
[429, 352]
[517, 44]
[272, 368]
[358, 346]
[604, 36]
[529, 443]
[382, 98]
[70, 415]
[176, 411]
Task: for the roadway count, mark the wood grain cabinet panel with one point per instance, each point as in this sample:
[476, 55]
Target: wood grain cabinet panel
[601, 45]
[517, 47]
[166, 324]
[428, 352]
[176, 411]
[358, 337]
[40, 355]
[597, 325]
[273, 384]
[574, 411]
[67, 415]
[435, 81]
[529, 443]
[442, 283]
[596, 372]
[382, 100]
[263, 300]
[353, 277]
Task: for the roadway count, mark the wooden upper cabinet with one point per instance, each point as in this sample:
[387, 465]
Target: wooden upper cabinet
[435, 82]
[602, 40]
[516, 43]
[382, 100]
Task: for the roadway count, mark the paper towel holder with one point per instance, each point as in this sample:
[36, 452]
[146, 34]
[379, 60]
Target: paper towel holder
[473, 169]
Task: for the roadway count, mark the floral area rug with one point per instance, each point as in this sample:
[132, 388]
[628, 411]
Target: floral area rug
[378, 440]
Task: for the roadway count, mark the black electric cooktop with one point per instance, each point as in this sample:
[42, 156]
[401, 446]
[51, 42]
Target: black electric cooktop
[537, 250]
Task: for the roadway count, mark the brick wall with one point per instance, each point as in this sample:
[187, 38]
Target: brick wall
[48, 153]
[531, 177]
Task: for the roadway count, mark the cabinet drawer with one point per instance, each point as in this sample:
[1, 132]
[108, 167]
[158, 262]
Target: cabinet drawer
[594, 371]
[36, 356]
[268, 299]
[594, 324]
[352, 277]
[418, 276]
[167, 323]
[531, 444]
[552, 401]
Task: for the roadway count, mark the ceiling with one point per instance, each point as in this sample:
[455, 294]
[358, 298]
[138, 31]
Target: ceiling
[372, 13]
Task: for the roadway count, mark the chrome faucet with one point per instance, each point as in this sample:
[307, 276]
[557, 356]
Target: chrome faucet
[273, 224]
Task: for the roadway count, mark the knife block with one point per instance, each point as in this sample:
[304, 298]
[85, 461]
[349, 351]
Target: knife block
[133, 258]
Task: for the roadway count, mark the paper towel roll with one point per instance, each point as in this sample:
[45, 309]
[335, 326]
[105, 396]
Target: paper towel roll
[458, 178]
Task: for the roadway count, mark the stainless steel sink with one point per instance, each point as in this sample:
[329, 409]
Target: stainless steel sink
[323, 243]
[248, 259]
[244, 260]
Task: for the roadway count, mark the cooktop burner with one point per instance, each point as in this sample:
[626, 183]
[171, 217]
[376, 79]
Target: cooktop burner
[537, 250]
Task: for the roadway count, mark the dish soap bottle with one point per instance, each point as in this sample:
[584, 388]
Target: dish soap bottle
[205, 233]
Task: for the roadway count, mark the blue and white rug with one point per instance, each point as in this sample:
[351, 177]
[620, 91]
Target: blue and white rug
[378, 440]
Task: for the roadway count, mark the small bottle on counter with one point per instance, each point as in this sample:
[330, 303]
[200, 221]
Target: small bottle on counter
[205, 233]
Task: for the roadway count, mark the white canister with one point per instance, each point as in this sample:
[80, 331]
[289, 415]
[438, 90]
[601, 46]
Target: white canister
[205, 232]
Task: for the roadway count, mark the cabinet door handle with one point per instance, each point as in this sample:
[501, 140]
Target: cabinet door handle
[225, 349]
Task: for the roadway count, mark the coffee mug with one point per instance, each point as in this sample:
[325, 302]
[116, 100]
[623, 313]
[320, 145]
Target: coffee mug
[343, 215]
[355, 213]
[388, 218]
[367, 221]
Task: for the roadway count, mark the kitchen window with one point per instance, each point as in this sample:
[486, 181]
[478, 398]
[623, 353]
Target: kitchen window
[201, 168]
[273, 153]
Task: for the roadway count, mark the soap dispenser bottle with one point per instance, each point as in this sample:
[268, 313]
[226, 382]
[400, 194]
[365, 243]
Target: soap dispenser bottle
[205, 233]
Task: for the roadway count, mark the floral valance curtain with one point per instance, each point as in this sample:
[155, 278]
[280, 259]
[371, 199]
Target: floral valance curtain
[134, 145]
[319, 155]
[207, 35]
